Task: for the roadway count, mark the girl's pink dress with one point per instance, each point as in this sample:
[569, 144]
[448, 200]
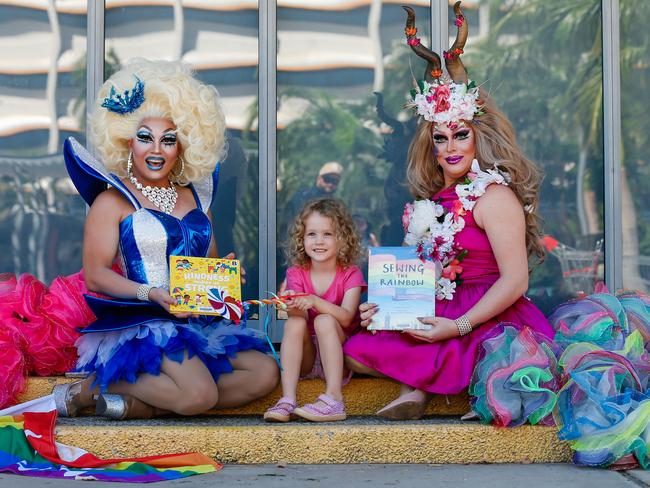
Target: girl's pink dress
[299, 280]
[446, 367]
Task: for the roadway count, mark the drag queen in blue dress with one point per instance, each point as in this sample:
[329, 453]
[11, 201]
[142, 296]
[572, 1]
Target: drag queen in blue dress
[159, 134]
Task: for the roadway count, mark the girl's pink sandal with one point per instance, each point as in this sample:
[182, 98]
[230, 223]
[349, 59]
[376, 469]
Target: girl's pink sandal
[281, 411]
[325, 409]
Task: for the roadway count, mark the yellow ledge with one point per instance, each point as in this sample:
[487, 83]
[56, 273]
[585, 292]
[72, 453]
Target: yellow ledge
[363, 396]
[327, 444]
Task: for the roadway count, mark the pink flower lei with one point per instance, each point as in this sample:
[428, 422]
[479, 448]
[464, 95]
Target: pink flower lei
[431, 228]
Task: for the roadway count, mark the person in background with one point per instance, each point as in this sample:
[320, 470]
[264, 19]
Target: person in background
[327, 181]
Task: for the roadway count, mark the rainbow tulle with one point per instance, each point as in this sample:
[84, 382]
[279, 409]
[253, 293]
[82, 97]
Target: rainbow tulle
[599, 319]
[603, 405]
[598, 390]
[515, 379]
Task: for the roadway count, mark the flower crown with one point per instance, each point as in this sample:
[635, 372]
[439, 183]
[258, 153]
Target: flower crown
[445, 102]
[127, 102]
[437, 98]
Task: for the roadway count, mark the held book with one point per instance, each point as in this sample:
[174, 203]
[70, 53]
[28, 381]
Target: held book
[402, 286]
[207, 286]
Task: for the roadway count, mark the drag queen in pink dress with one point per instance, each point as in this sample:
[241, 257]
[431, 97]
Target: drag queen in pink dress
[475, 212]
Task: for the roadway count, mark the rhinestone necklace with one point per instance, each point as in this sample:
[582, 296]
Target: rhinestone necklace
[163, 198]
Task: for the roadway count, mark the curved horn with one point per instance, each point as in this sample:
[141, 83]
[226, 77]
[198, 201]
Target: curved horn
[453, 63]
[434, 66]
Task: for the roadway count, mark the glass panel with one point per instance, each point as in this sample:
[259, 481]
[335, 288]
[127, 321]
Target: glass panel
[42, 95]
[542, 63]
[635, 127]
[331, 140]
[219, 39]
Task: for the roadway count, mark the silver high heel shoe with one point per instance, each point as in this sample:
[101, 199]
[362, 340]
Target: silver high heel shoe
[122, 407]
[66, 398]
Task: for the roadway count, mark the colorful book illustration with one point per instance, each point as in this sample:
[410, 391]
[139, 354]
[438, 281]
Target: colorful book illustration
[206, 286]
[403, 287]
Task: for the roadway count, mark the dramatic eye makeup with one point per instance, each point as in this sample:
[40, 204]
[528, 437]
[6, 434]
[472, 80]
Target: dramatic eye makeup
[144, 135]
[438, 138]
[169, 139]
[458, 135]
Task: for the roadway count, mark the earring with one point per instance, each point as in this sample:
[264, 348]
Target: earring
[129, 165]
[178, 175]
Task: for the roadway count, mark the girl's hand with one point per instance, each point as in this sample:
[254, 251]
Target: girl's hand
[442, 329]
[367, 310]
[242, 271]
[302, 303]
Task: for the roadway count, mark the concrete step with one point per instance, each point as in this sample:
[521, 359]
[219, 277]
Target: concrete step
[248, 440]
[363, 396]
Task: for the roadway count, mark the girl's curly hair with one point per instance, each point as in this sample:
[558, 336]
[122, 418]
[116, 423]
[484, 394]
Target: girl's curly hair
[349, 244]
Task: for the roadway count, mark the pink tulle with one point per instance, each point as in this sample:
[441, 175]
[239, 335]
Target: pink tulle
[39, 328]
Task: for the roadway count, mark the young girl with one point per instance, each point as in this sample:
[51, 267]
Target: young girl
[323, 245]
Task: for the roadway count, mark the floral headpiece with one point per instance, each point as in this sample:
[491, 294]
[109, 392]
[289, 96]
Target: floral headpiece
[438, 98]
[127, 102]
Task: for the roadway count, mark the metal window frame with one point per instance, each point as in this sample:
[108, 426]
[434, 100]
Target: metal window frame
[612, 144]
[267, 131]
[94, 56]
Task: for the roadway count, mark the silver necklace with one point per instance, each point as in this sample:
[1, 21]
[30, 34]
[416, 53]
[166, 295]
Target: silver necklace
[163, 198]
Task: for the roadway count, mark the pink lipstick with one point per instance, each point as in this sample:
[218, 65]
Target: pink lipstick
[453, 159]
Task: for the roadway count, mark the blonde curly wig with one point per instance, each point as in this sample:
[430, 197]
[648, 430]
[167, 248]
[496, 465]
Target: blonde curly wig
[495, 144]
[172, 92]
[349, 244]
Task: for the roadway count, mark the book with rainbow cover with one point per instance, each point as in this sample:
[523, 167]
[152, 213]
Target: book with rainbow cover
[403, 287]
[207, 286]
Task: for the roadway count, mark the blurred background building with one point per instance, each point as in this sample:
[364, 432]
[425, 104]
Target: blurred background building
[299, 81]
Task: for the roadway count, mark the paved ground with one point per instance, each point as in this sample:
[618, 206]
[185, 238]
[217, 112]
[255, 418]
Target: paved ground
[380, 475]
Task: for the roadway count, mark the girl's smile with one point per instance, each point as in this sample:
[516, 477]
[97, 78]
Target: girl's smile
[320, 239]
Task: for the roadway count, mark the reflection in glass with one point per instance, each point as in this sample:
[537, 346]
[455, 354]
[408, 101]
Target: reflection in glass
[553, 97]
[220, 41]
[335, 137]
[42, 90]
[635, 127]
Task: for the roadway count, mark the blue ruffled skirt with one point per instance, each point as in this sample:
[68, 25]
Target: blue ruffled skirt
[122, 355]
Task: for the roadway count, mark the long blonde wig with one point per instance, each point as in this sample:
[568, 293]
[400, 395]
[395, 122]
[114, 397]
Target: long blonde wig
[495, 144]
[172, 92]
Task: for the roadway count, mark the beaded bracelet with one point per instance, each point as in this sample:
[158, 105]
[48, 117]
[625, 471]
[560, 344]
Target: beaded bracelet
[463, 324]
[143, 292]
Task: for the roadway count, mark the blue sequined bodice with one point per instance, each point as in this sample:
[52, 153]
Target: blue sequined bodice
[148, 237]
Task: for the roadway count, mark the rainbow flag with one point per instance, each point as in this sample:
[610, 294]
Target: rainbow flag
[28, 447]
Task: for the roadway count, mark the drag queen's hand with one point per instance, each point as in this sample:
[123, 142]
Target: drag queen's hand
[164, 299]
[366, 311]
[441, 329]
[242, 271]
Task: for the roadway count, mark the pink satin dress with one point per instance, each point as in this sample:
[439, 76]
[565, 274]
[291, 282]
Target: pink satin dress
[446, 367]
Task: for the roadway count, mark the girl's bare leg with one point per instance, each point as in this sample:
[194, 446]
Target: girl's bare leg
[330, 339]
[296, 354]
[255, 375]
